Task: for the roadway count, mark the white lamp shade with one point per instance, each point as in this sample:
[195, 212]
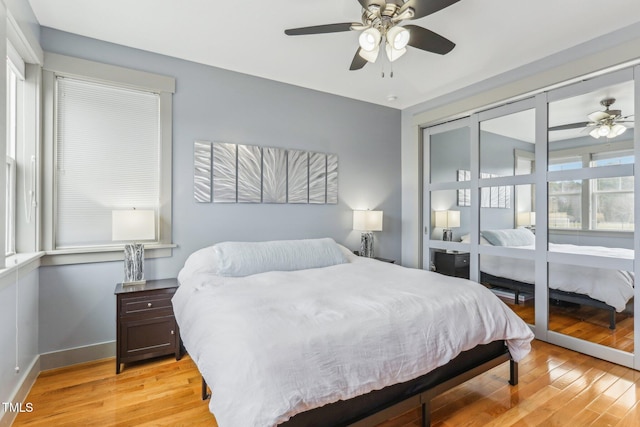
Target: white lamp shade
[447, 219]
[370, 56]
[369, 39]
[394, 54]
[367, 220]
[132, 225]
[526, 219]
[398, 37]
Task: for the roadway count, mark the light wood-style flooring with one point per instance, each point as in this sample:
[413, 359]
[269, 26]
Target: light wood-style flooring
[583, 322]
[558, 387]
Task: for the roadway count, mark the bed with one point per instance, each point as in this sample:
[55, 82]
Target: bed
[602, 288]
[315, 335]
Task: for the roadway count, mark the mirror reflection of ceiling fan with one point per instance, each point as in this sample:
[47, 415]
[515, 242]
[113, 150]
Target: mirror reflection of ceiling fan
[607, 123]
[381, 28]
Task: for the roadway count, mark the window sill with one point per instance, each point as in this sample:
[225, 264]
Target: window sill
[19, 265]
[103, 254]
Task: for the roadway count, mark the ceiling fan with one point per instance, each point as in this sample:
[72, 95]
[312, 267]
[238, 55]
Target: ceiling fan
[607, 123]
[380, 28]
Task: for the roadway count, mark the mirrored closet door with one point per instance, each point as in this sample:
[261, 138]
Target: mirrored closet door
[536, 201]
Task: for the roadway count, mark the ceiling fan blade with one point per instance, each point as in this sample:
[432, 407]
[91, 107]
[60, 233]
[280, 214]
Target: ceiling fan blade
[596, 116]
[320, 29]
[425, 7]
[424, 39]
[570, 126]
[358, 61]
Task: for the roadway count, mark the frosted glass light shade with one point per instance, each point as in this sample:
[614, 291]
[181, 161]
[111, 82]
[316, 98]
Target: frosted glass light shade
[394, 54]
[398, 37]
[132, 225]
[369, 39]
[367, 220]
[370, 56]
[447, 219]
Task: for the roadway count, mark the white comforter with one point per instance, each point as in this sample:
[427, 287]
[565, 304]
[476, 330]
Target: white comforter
[613, 287]
[275, 344]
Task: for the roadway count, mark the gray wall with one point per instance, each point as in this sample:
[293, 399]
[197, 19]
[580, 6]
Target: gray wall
[450, 151]
[77, 306]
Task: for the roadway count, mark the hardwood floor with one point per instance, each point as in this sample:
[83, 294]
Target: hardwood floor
[558, 387]
[587, 323]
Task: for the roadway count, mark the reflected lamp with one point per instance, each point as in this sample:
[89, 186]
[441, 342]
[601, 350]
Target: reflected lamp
[447, 220]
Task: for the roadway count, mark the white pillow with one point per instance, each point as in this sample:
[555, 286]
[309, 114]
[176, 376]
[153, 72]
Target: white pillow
[237, 259]
[510, 237]
[467, 239]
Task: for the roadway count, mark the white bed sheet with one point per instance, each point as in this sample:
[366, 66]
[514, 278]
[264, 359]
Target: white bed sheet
[614, 287]
[275, 344]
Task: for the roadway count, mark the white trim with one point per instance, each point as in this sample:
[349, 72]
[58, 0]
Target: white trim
[29, 50]
[595, 350]
[453, 185]
[590, 261]
[613, 171]
[22, 391]
[102, 254]
[105, 73]
[501, 181]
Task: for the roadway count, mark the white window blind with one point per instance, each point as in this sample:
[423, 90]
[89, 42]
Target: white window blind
[107, 158]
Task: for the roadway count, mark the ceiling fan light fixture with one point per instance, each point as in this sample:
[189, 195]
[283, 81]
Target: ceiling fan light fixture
[594, 133]
[369, 55]
[616, 130]
[394, 54]
[398, 37]
[603, 130]
[370, 39]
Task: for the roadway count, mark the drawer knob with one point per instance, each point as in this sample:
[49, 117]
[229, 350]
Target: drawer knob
[149, 305]
[172, 332]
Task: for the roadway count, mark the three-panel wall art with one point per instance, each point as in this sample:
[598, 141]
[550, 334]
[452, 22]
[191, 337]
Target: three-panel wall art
[235, 173]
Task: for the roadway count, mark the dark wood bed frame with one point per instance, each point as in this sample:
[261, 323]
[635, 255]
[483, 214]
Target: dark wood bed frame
[380, 405]
[554, 294]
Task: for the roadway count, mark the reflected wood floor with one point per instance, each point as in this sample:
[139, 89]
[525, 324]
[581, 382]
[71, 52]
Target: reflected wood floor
[587, 323]
[557, 387]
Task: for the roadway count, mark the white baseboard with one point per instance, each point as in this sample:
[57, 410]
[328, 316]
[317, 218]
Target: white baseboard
[73, 356]
[52, 360]
[20, 395]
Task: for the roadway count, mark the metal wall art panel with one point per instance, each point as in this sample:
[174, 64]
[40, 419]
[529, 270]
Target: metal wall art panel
[232, 173]
[317, 178]
[249, 174]
[274, 175]
[298, 176]
[224, 172]
[202, 171]
[332, 178]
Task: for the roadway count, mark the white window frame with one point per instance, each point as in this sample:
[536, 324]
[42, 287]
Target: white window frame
[60, 65]
[587, 193]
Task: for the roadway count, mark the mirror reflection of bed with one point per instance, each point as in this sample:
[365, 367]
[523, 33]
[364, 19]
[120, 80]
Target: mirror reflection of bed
[589, 303]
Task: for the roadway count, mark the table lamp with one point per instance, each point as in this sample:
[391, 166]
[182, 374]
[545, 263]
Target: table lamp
[526, 220]
[447, 220]
[367, 222]
[132, 226]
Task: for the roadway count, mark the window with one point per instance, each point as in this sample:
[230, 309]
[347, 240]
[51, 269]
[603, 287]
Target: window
[108, 151]
[608, 201]
[108, 148]
[15, 80]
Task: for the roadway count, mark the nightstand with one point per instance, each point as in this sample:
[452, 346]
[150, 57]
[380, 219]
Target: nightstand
[146, 326]
[390, 261]
[452, 263]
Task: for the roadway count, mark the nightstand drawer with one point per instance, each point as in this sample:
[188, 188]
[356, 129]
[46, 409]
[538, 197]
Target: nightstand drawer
[452, 263]
[146, 304]
[461, 260]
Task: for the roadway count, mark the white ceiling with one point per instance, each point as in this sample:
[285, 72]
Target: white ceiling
[247, 36]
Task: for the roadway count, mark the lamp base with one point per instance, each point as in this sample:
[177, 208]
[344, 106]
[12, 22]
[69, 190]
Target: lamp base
[133, 264]
[366, 244]
[447, 235]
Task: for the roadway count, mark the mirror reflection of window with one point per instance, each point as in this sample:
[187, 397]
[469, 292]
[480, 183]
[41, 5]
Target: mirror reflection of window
[597, 211]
